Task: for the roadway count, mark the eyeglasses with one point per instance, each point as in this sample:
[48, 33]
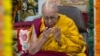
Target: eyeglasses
[50, 17]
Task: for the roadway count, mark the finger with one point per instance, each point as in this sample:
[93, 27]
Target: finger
[57, 29]
[50, 30]
[45, 28]
[54, 29]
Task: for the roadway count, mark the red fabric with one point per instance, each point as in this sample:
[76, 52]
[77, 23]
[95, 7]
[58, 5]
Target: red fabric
[37, 24]
[85, 15]
[47, 53]
[19, 45]
[25, 25]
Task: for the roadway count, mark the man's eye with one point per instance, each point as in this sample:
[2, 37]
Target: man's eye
[46, 17]
[52, 17]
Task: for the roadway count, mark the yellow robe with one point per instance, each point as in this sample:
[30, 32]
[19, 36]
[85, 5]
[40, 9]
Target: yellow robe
[72, 42]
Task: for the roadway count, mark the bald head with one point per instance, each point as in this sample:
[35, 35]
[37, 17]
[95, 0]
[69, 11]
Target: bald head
[49, 7]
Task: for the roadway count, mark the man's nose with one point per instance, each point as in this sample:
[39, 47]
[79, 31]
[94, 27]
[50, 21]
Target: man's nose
[49, 20]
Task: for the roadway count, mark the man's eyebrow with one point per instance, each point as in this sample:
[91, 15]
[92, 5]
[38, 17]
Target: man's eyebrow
[49, 16]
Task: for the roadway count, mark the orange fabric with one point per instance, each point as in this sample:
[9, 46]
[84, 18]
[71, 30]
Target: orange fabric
[97, 18]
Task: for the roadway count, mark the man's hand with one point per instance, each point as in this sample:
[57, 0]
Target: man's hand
[47, 32]
[57, 33]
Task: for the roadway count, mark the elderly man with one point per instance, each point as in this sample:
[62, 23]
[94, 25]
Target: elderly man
[58, 34]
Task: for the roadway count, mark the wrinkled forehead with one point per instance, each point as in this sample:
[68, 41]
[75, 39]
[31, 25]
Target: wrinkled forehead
[49, 12]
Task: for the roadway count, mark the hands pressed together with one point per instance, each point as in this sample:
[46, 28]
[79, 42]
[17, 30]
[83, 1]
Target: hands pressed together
[55, 31]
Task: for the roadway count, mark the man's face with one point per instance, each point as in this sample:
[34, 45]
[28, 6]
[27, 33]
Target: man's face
[50, 17]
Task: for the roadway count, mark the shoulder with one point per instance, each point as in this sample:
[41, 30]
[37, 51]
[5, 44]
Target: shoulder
[65, 18]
